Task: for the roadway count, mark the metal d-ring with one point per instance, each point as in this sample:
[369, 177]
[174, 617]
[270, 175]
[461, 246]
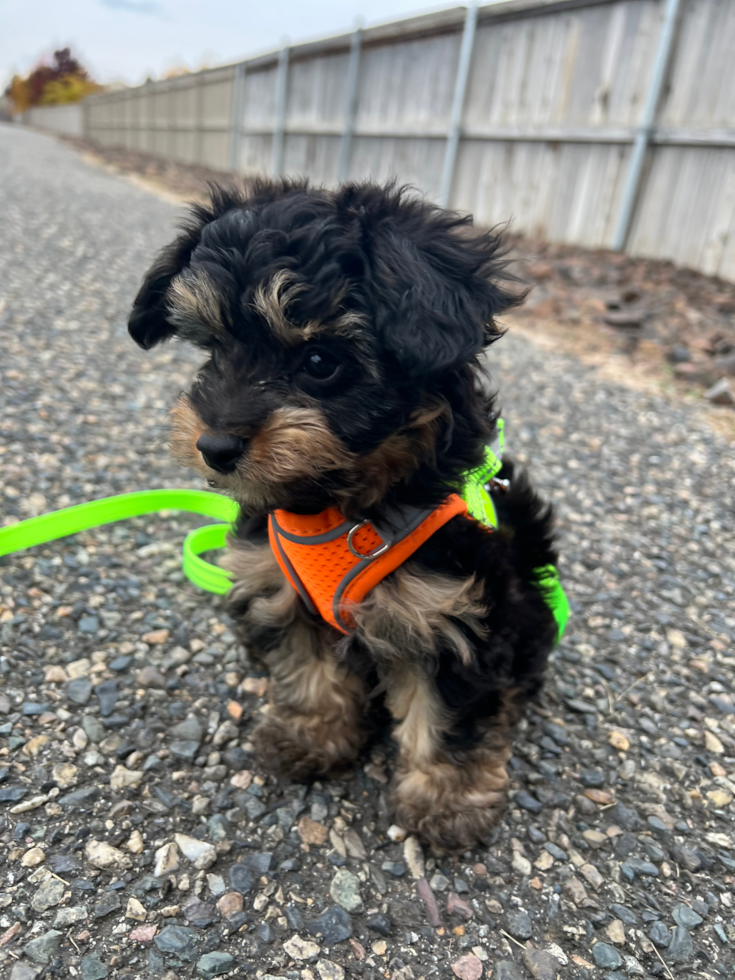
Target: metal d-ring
[373, 554]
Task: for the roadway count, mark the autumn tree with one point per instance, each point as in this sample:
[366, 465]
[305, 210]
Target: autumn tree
[64, 80]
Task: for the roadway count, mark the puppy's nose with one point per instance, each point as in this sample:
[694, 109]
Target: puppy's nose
[221, 453]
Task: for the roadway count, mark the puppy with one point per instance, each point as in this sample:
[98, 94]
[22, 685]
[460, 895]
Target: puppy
[342, 395]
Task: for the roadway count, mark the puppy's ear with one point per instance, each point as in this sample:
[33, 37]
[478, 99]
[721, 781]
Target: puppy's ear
[148, 323]
[441, 288]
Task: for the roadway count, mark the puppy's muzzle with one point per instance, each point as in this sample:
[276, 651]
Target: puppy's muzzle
[221, 453]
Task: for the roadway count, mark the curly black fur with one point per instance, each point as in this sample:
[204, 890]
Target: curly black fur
[404, 297]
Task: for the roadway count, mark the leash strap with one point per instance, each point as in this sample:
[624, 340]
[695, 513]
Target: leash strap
[96, 513]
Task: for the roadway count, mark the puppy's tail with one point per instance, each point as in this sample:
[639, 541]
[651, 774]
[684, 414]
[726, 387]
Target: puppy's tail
[528, 517]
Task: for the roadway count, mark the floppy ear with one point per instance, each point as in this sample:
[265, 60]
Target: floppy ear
[148, 323]
[441, 287]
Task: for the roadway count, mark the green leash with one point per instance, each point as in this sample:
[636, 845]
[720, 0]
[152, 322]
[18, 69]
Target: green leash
[96, 513]
[82, 517]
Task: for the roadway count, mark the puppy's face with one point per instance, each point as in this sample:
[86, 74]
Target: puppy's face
[338, 328]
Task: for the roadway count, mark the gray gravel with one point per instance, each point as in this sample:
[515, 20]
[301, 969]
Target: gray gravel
[138, 836]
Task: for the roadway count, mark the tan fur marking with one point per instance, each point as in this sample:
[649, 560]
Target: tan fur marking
[194, 302]
[271, 301]
[450, 802]
[185, 429]
[412, 612]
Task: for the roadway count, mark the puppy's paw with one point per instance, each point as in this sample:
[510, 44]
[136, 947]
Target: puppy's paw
[452, 809]
[303, 748]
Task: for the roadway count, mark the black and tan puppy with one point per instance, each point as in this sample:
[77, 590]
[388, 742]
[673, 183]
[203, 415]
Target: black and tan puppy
[342, 332]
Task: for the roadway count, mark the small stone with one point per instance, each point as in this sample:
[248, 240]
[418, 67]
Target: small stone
[242, 779]
[33, 857]
[144, 934]
[506, 970]
[230, 903]
[106, 693]
[108, 902]
[712, 743]
[106, 857]
[199, 913]
[155, 637]
[166, 860]
[686, 917]
[151, 677]
[458, 906]
[414, 857]
[333, 925]
[201, 854]
[681, 947]
[241, 879]
[50, 892]
[619, 741]
[540, 964]
[518, 924]
[439, 883]
[659, 934]
[595, 839]
[92, 968]
[135, 910]
[355, 847]
[379, 947]
[214, 964]
[311, 832]
[55, 674]
[606, 957]
[123, 778]
[528, 802]
[179, 940]
[79, 691]
[521, 864]
[328, 970]
[720, 797]
[592, 875]
[80, 740]
[70, 915]
[396, 834]
[427, 895]
[43, 949]
[24, 971]
[615, 932]
[345, 890]
[600, 796]
[380, 923]
[135, 843]
[301, 949]
[467, 967]
[65, 775]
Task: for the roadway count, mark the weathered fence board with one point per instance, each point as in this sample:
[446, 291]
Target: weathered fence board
[554, 101]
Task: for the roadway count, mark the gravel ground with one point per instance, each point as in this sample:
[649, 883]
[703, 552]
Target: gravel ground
[139, 838]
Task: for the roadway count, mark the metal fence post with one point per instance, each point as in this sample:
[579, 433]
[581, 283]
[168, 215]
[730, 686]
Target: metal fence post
[460, 88]
[279, 124]
[238, 94]
[645, 128]
[353, 72]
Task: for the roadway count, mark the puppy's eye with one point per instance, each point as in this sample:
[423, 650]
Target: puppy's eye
[320, 365]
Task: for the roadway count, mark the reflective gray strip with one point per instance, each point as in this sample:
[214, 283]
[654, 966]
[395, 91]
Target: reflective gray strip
[336, 532]
[405, 520]
[292, 571]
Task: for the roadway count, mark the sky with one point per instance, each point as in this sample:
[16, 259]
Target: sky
[128, 40]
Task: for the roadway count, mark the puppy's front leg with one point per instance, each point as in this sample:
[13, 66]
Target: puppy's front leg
[450, 798]
[314, 722]
[314, 725]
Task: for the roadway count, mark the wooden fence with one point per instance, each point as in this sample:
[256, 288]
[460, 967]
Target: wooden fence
[604, 123]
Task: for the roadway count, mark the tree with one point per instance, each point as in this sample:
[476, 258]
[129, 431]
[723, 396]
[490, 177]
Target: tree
[64, 80]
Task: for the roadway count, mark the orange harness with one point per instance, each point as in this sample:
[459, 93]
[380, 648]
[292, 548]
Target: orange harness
[334, 563]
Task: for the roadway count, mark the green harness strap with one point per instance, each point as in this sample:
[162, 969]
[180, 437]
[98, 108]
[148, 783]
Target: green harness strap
[480, 506]
[96, 513]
